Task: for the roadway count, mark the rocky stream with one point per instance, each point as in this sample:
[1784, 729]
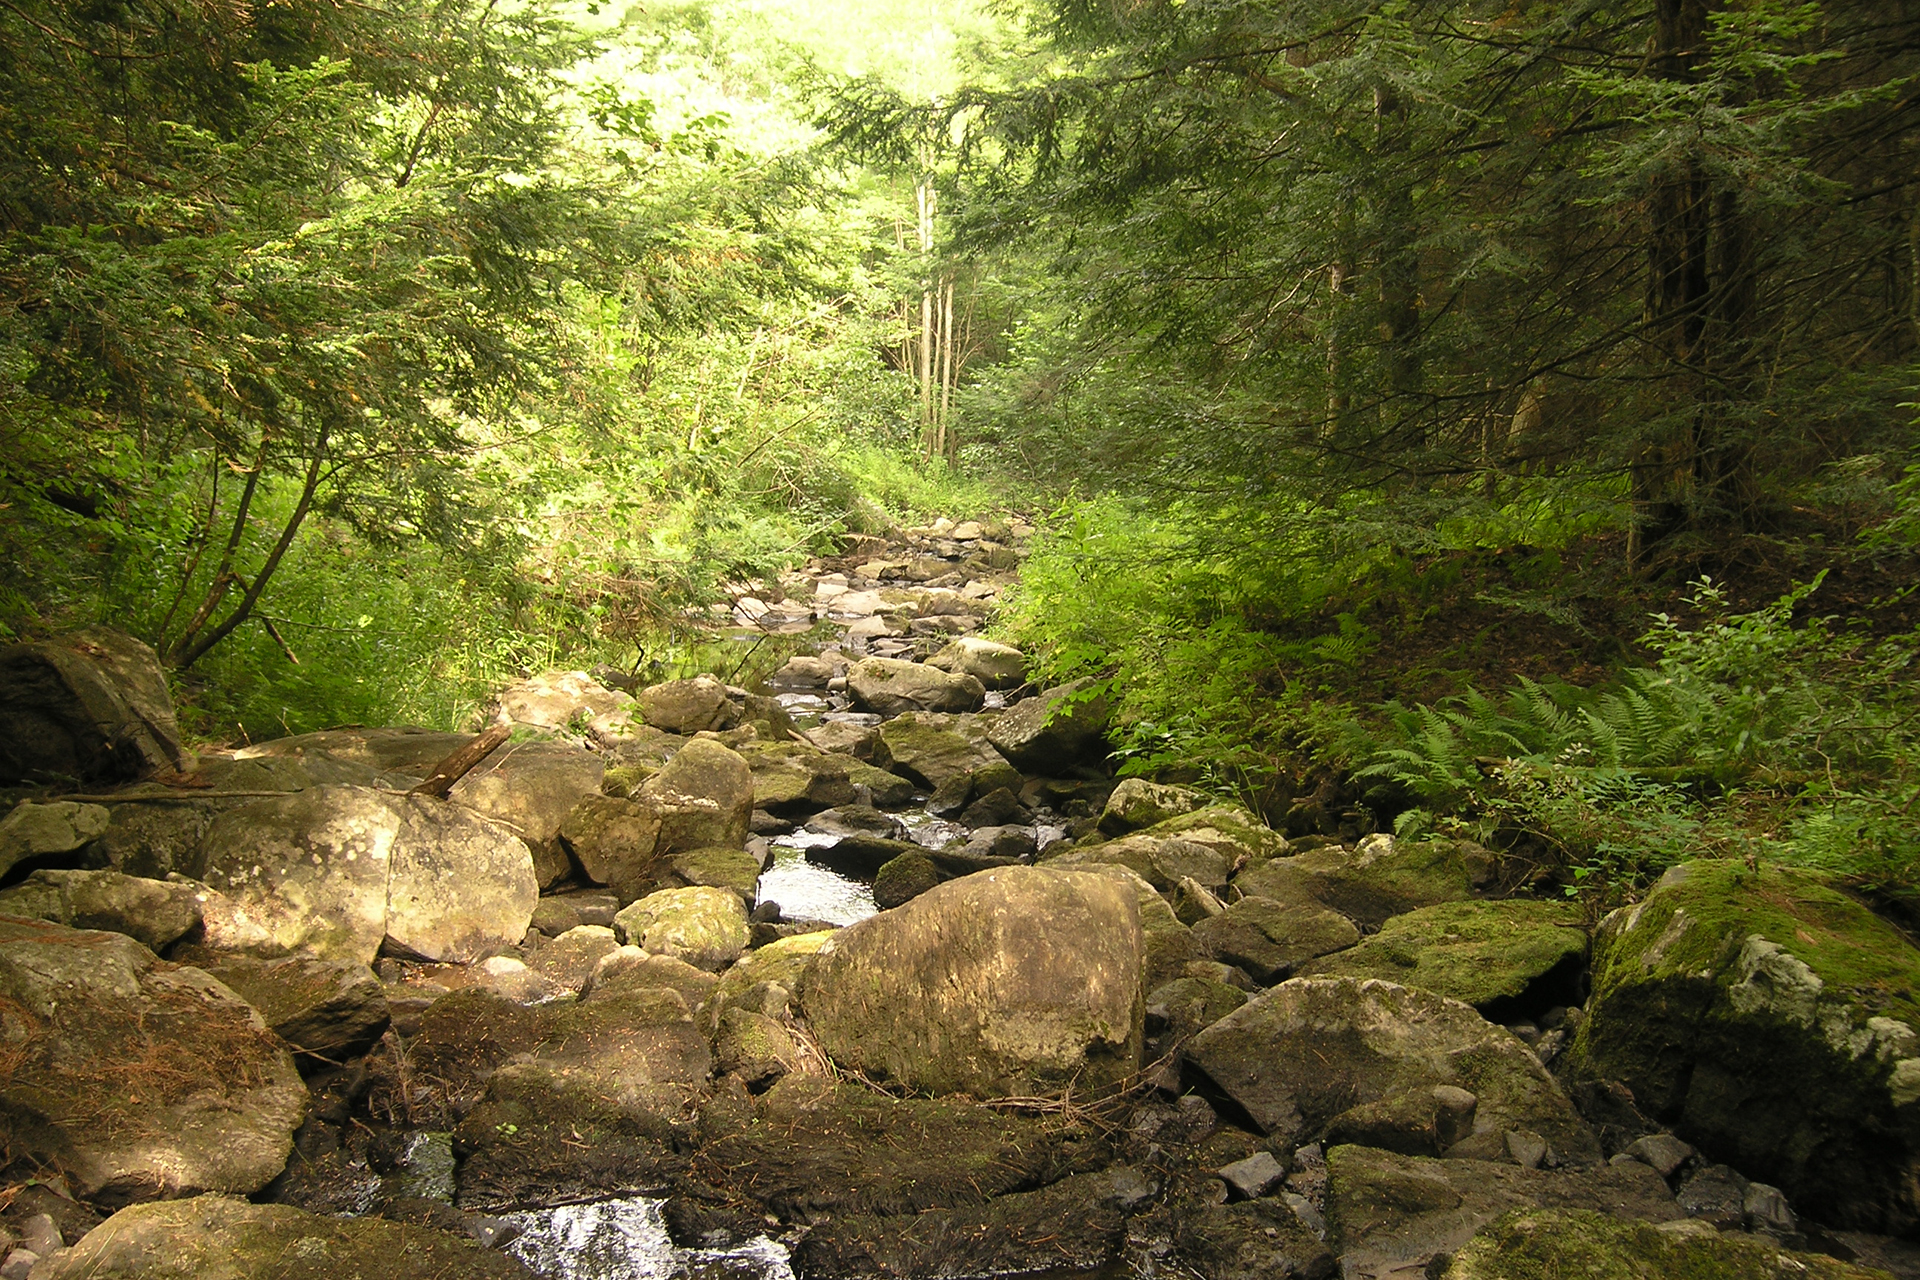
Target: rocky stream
[874, 970]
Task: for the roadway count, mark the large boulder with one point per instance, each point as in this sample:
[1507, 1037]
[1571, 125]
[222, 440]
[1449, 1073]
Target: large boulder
[1372, 883]
[404, 749]
[225, 1238]
[933, 754]
[1062, 727]
[1137, 803]
[703, 797]
[793, 778]
[614, 841]
[1300, 1057]
[687, 706]
[92, 705]
[1230, 830]
[1161, 861]
[136, 1079]
[1397, 1216]
[1168, 945]
[531, 787]
[1771, 1020]
[1271, 940]
[331, 1008]
[1001, 982]
[890, 686]
[560, 700]
[1519, 955]
[1582, 1242]
[31, 832]
[335, 871]
[705, 926]
[156, 912]
[995, 665]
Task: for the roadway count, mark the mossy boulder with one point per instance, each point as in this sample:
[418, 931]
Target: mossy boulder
[1370, 884]
[766, 975]
[1137, 803]
[134, 1078]
[904, 878]
[1177, 1009]
[703, 796]
[1771, 1020]
[218, 1237]
[1228, 829]
[935, 755]
[890, 686]
[1296, 1057]
[1488, 954]
[1002, 982]
[156, 912]
[888, 790]
[719, 868]
[1399, 1215]
[1162, 861]
[1168, 945]
[1270, 940]
[705, 926]
[793, 778]
[614, 840]
[333, 1008]
[995, 665]
[1537, 1243]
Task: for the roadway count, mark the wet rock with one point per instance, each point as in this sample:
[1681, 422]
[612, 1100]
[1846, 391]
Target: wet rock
[997, 808]
[1570, 1242]
[91, 705]
[1380, 879]
[857, 819]
[1271, 940]
[1297, 1056]
[134, 1078]
[334, 1008]
[704, 926]
[1487, 954]
[999, 982]
[1395, 1215]
[994, 665]
[156, 912]
[1062, 727]
[225, 1238]
[903, 879]
[1137, 803]
[33, 831]
[862, 856]
[1770, 1020]
[889, 686]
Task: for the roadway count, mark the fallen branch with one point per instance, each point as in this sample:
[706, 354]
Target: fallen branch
[440, 782]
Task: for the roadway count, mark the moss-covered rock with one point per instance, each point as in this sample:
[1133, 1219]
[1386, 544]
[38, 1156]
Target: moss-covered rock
[1538, 1244]
[1772, 1021]
[156, 912]
[769, 974]
[888, 790]
[1178, 1009]
[1168, 945]
[1162, 861]
[1484, 953]
[1380, 879]
[1271, 940]
[224, 1238]
[1137, 803]
[936, 754]
[904, 878]
[704, 797]
[890, 686]
[1060, 728]
[718, 868]
[794, 778]
[334, 1008]
[1228, 829]
[1399, 1215]
[705, 926]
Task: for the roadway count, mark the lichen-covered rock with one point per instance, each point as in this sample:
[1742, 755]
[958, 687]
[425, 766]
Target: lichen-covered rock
[1296, 1057]
[531, 787]
[1380, 879]
[1162, 861]
[889, 686]
[1228, 829]
[888, 790]
[1480, 952]
[904, 878]
[156, 912]
[1596, 1246]
[999, 982]
[934, 756]
[995, 665]
[1271, 940]
[134, 1078]
[334, 1008]
[1771, 1020]
[336, 871]
[687, 706]
[91, 705]
[704, 926]
[559, 700]
[703, 797]
[1137, 803]
[1062, 727]
[1398, 1216]
[614, 841]
[37, 830]
[225, 1238]
[720, 868]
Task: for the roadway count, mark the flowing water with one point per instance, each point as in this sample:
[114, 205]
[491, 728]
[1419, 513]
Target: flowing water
[626, 1239]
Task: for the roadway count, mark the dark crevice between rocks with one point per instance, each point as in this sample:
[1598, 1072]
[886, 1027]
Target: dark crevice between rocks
[1565, 986]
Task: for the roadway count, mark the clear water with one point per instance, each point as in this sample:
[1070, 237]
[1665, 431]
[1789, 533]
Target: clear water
[626, 1239]
[807, 892]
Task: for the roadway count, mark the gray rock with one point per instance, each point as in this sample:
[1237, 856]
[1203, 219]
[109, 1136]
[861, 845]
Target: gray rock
[1137, 803]
[157, 912]
[889, 686]
[42, 830]
[531, 787]
[614, 841]
[1063, 726]
[91, 705]
[995, 665]
[1663, 1151]
[1270, 939]
[133, 1078]
[705, 926]
[687, 706]
[1253, 1177]
[1717, 1196]
[1528, 1149]
[996, 983]
[1308, 1050]
[1767, 1210]
[703, 797]
[333, 1008]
